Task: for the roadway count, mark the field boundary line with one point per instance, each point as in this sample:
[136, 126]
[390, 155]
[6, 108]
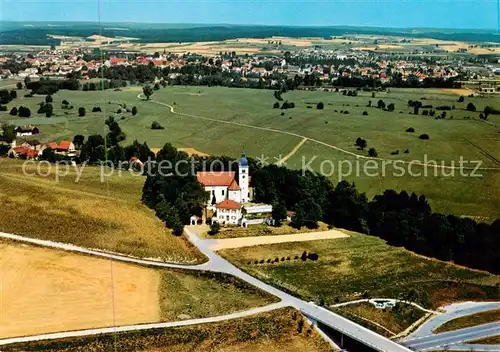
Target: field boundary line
[385, 299]
[484, 152]
[172, 110]
[292, 152]
[102, 253]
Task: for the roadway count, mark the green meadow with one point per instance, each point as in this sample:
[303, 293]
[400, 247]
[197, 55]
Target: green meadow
[218, 121]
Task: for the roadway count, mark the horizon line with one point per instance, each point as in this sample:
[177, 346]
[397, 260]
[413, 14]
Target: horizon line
[256, 25]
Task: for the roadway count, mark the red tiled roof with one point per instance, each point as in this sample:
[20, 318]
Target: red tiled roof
[117, 60]
[21, 150]
[64, 145]
[52, 145]
[228, 204]
[208, 178]
[28, 152]
[32, 153]
[234, 186]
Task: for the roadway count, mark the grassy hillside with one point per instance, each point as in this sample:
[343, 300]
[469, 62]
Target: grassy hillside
[388, 322]
[107, 215]
[363, 266]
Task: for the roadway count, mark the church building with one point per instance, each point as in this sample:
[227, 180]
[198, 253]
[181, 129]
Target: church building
[224, 186]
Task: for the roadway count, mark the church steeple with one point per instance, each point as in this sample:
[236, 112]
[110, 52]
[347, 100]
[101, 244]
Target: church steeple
[243, 178]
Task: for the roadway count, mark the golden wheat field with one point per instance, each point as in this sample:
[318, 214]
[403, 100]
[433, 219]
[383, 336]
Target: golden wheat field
[45, 290]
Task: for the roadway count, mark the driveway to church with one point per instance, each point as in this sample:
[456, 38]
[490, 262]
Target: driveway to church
[216, 245]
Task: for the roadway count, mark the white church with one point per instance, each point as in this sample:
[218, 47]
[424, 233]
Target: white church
[230, 199]
[226, 194]
[222, 185]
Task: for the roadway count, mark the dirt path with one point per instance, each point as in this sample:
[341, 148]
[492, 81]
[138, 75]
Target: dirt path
[44, 290]
[416, 163]
[216, 245]
[294, 150]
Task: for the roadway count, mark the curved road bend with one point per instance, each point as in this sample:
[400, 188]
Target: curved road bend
[452, 311]
[457, 337]
[172, 110]
[218, 264]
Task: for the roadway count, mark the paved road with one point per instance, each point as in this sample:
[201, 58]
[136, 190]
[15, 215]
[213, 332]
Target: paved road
[102, 254]
[331, 319]
[218, 244]
[475, 348]
[449, 339]
[218, 264]
[89, 332]
[451, 312]
[267, 129]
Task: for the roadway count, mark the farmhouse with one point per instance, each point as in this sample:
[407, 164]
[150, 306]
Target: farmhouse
[64, 147]
[23, 152]
[22, 131]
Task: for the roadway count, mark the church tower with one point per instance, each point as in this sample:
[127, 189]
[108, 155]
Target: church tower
[243, 178]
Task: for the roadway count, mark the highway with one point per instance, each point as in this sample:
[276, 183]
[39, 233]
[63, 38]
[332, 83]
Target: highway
[452, 311]
[448, 339]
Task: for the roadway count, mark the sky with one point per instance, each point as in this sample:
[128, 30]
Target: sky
[479, 14]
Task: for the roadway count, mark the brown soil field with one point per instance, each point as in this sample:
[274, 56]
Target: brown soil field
[100, 38]
[379, 47]
[484, 51]
[208, 48]
[263, 240]
[44, 291]
[192, 151]
[459, 91]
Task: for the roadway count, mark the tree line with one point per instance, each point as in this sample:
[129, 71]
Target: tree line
[401, 219]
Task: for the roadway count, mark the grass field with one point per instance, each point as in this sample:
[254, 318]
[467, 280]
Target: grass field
[105, 215]
[364, 266]
[45, 290]
[199, 295]
[388, 322]
[269, 332]
[448, 192]
[469, 320]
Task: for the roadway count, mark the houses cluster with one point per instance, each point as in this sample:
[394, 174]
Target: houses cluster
[345, 63]
[33, 149]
